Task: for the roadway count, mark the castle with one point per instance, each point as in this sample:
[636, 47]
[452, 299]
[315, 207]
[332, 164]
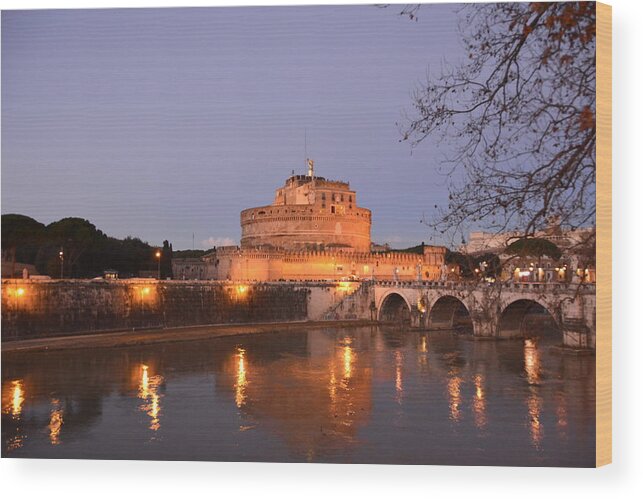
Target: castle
[313, 230]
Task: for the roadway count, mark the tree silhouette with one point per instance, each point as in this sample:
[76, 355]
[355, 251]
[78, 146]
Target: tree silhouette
[520, 113]
[21, 236]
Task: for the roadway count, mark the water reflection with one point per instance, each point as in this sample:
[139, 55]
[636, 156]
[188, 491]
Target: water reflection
[241, 383]
[148, 391]
[399, 388]
[332, 385]
[318, 395]
[561, 415]
[454, 396]
[17, 398]
[532, 361]
[534, 400]
[13, 398]
[348, 359]
[479, 402]
[55, 422]
[534, 405]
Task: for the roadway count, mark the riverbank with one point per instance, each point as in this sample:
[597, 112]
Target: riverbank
[168, 335]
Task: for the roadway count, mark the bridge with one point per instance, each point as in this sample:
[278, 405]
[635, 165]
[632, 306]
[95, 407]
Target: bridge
[496, 310]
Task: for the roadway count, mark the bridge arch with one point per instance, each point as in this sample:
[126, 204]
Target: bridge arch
[527, 318]
[449, 312]
[394, 307]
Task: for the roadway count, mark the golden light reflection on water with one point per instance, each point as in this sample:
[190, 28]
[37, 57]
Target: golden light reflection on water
[148, 391]
[532, 361]
[15, 400]
[534, 400]
[534, 407]
[479, 402]
[348, 355]
[423, 358]
[241, 383]
[455, 397]
[423, 347]
[332, 386]
[399, 387]
[55, 422]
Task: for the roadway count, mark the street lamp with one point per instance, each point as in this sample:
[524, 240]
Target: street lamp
[61, 255]
[158, 257]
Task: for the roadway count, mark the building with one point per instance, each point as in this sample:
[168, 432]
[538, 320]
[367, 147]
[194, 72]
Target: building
[11, 269]
[314, 230]
[565, 239]
[309, 213]
[576, 264]
[190, 269]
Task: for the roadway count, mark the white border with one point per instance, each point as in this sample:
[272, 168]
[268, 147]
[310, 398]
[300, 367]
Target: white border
[156, 480]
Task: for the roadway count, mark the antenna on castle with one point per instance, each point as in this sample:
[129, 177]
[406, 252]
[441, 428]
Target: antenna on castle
[305, 145]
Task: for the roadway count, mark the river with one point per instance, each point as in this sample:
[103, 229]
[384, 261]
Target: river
[341, 395]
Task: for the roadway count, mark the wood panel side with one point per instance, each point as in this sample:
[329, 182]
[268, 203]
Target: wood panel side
[604, 234]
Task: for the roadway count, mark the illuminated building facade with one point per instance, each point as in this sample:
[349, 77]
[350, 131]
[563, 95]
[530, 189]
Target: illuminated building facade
[314, 230]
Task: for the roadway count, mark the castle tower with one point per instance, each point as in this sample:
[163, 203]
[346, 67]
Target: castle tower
[309, 212]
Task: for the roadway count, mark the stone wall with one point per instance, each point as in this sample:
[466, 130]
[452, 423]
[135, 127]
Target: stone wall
[58, 307]
[269, 264]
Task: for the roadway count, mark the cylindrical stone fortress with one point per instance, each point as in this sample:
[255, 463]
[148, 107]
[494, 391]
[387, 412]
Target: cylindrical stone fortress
[309, 213]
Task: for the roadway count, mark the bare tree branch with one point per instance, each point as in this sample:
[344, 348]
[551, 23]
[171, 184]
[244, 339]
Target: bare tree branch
[521, 115]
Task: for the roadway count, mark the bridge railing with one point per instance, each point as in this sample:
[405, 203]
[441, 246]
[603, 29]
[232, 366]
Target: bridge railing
[516, 286]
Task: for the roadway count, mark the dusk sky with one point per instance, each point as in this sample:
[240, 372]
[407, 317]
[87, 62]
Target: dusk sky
[161, 123]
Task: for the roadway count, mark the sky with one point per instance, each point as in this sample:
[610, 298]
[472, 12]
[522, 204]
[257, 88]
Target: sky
[164, 123]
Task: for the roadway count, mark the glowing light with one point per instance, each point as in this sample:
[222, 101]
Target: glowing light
[534, 407]
[454, 397]
[242, 290]
[13, 398]
[423, 347]
[242, 378]
[14, 406]
[148, 391]
[20, 292]
[158, 254]
[479, 402]
[532, 361]
[399, 387]
[348, 362]
[332, 385]
[55, 422]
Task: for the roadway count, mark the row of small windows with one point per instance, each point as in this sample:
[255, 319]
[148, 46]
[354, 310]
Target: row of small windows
[286, 219]
[337, 198]
[333, 209]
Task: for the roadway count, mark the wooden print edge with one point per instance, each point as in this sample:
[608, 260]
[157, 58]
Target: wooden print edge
[604, 234]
